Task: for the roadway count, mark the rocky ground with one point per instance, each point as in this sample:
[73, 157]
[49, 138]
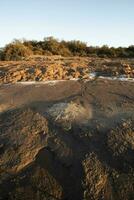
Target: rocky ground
[63, 68]
[70, 140]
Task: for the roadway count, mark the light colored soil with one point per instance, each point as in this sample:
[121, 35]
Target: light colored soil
[63, 68]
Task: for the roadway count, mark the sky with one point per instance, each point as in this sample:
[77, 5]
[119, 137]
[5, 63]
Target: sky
[97, 22]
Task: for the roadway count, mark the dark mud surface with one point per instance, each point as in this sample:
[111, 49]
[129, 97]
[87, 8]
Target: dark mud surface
[67, 140]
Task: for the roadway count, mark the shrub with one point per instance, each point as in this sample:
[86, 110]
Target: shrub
[16, 51]
[1, 54]
[51, 44]
[64, 51]
[77, 47]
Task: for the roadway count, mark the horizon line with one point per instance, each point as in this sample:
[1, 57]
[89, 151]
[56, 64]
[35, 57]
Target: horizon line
[66, 40]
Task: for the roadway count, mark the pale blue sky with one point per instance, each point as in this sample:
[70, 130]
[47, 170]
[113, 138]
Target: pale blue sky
[97, 22]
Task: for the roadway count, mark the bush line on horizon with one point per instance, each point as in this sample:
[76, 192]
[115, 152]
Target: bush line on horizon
[18, 50]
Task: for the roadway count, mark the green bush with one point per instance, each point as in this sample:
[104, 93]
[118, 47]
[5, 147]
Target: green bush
[1, 54]
[51, 44]
[16, 51]
[77, 48]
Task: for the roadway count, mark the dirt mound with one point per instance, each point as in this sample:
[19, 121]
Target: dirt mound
[23, 129]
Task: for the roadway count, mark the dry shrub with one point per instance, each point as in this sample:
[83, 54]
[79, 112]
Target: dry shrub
[16, 51]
